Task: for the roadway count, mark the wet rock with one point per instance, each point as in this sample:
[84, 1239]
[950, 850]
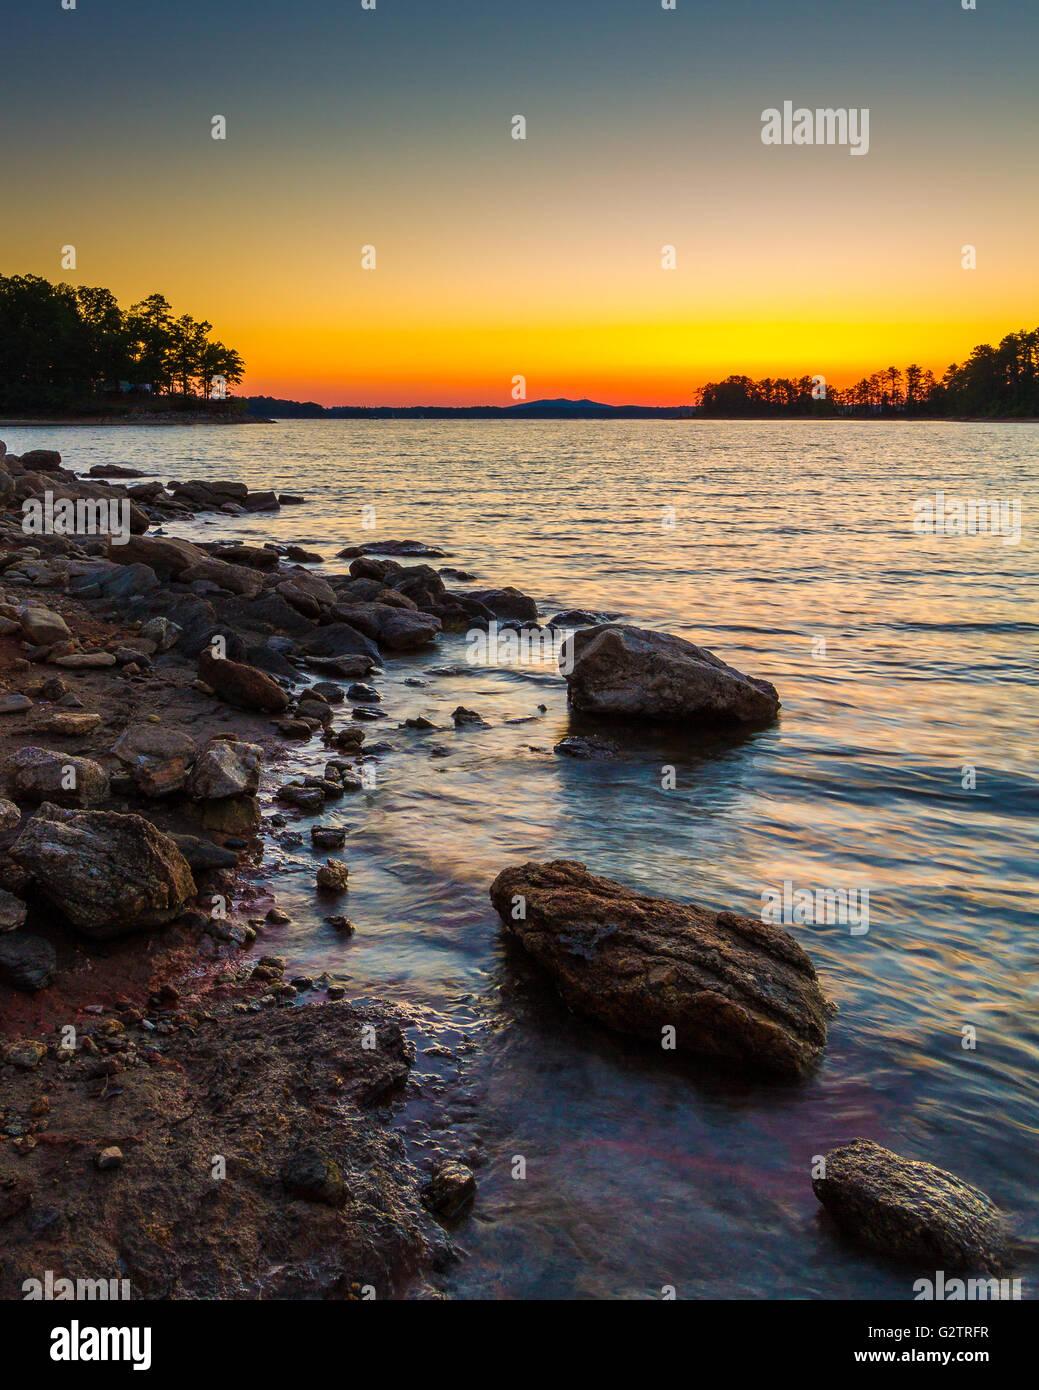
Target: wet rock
[392, 547]
[911, 1210]
[580, 617]
[241, 685]
[397, 629]
[507, 603]
[306, 798]
[732, 987]
[450, 1190]
[27, 962]
[362, 692]
[630, 671]
[339, 640]
[226, 768]
[109, 874]
[204, 854]
[38, 774]
[341, 924]
[468, 718]
[334, 694]
[156, 759]
[327, 836]
[577, 746]
[333, 876]
[347, 667]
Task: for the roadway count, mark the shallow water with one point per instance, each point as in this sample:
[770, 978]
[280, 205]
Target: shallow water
[644, 1171]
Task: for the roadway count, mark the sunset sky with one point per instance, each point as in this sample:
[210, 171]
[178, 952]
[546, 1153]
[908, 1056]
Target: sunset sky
[498, 257]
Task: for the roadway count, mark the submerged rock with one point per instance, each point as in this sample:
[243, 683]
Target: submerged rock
[732, 987]
[630, 671]
[911, 1210]
[109, 874]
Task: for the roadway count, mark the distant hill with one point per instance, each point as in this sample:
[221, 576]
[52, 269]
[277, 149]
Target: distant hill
[561, 409]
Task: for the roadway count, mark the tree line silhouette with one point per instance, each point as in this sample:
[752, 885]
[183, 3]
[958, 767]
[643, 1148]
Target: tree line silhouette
[994, 382]
[67, 347]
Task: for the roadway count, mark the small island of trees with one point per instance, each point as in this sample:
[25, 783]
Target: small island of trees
[72, 349]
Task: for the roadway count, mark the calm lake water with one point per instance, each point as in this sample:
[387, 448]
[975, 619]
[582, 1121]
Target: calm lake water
[901, 660]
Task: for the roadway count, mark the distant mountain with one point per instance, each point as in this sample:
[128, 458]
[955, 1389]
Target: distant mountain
[561, 404]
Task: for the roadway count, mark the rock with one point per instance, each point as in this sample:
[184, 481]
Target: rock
[24, 1053]
[12, 912]
[14, 703]
[109, 1158]
[576, 746]
[579, 617]
[37, 774]
[310, 1173]
[9, 815]
[84, 661]
[43, 627]
[255, 556]
[109, 874]
[241, 685]
[226, 769]
[629, 671]
[346, 667]
[333, 876]
[911, 1210]
[156, 759]
[27, 963]
[360, 691]
[468, 718]
[162, 632]
[338, 640]
[507, 603]
[114, 470]
[67, 724]
[41, 460]
[204, 854]
[392, 547]
[327, 836]
[732, 987]
[306, 798]
[334, 694]
[450, 1190]
[397, 629]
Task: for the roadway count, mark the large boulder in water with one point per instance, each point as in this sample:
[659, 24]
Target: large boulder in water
[397, 629]
[615, 669]
[911, 1210]
[732, 987]
[108, 874]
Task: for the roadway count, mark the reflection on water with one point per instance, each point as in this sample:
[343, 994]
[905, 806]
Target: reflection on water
[901, 661]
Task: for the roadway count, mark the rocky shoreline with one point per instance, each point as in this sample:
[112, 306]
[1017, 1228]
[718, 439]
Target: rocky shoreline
[173, 1109]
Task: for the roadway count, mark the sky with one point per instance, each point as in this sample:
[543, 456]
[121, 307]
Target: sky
[541, 258]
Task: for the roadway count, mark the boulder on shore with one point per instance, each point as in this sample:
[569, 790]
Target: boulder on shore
[109, 874]
[241, 685]
[732, 987]
[157, 760]
[38, 774]
[911, 1210]
[226, 768]
[616, 669]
